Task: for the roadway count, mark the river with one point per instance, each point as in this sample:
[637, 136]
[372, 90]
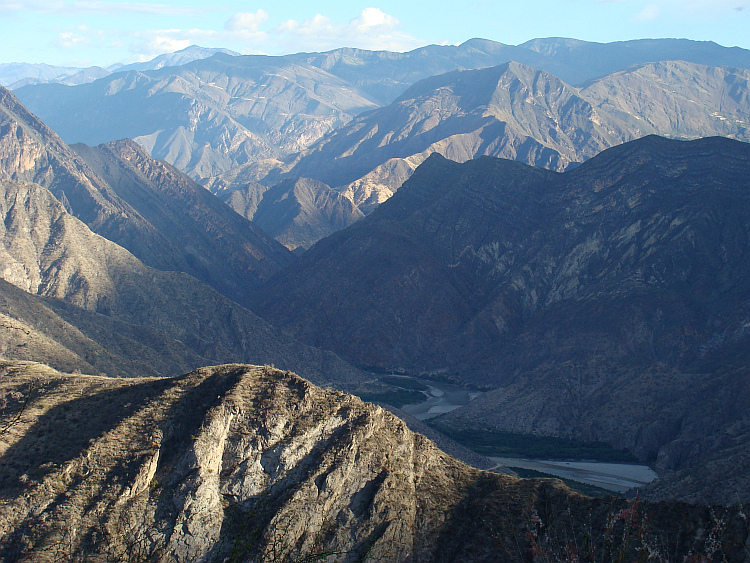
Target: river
[616, 477]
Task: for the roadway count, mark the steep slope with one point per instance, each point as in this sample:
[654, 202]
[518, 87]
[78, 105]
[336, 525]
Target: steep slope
[207, 116]
[172, 238]
[72, 339]
[221, 249]
[31, 151]
[678, 98]
[297, 212]
[48, 252]
[251, 464]
[578, 293]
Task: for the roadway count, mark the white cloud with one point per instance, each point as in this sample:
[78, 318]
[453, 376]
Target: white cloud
[70, 40]
[246, 21]
[371, 29]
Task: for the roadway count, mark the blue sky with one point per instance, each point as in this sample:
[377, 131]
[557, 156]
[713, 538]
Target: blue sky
[102, 32]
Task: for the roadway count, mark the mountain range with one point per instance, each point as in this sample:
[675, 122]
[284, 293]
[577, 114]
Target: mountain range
[212, 115]
[565, 293]
[517, 112]
[51, 200]
[345, 215]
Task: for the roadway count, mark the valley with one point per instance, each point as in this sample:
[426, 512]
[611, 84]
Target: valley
[257, 308]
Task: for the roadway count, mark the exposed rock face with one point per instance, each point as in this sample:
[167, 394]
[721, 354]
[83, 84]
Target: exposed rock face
[605, 302]
[219, 247]
[252, 464]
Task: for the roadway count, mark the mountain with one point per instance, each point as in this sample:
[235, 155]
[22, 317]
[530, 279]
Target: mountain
[30, 151]
[71, 339]
[16, 75]
[679, 99]
[577, 295]
[249, 463]
[48, 252]
[83, 76]
[15, 72]
[591, 59]
[211, 115]
[297, 212]
[219, 247]
[178, 58]
[514, 111]
[207, 116]
[385, 75]
[172, 224]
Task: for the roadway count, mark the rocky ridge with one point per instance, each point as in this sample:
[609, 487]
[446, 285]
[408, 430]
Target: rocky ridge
[248, 463]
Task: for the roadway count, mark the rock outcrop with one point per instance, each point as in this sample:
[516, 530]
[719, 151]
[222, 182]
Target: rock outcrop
[244, 463]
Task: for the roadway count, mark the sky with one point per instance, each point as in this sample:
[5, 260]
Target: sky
[83, 33]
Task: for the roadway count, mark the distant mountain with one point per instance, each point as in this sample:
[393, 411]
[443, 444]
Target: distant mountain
[297, 212]
[386, 75]
[205, 117]
[678, 99]
[514, 111]
[14, 72]
[563, 290]
[591, 60]
[511, 111]
[219, 247]
[210, 116]
[178, 58]
[83, 76]
[250, 463]
[16, 75]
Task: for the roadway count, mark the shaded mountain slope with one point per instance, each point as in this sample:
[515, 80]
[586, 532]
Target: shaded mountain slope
[297, 212]
[250, 464]
[220, 247]
[48, 252]
[564, 290]
[207, 116]
[70, 339]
